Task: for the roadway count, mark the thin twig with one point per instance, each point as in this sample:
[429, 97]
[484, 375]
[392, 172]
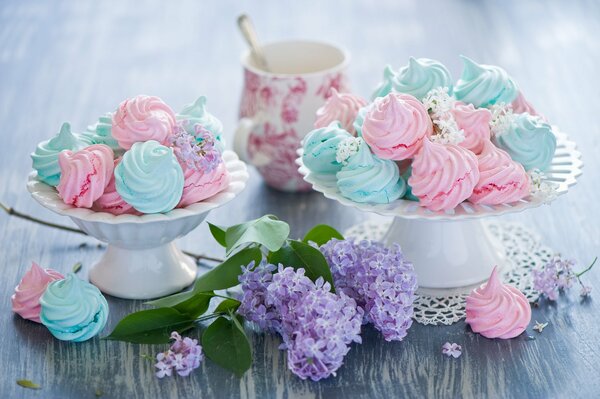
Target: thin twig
[13, 212]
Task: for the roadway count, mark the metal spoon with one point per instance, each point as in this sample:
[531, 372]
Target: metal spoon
[249, 33]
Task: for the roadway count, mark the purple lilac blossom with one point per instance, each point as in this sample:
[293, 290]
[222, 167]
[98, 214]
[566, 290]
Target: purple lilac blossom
[196, 151]
[183, 356]
[381, 281]
[557, 274]
[452, 350]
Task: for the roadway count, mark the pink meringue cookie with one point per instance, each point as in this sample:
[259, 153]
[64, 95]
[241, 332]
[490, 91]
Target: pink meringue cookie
[475, 122]
[26, 299]
[497, 310]
[110, 201]
[501, 180]
[395, 125]
[443, 175]
[520, 105]
[342, 107]
[143, 118]
[200, 185]
[85, 174]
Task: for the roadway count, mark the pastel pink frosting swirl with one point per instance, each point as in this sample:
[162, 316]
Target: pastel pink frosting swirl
[395, 125]
[85, 174]
[142, 118]
[443, 175]
[199, 185]
[111, 201]
[520, 105]
[342, 107]
[497, 310]
[501, 180]
[475, 122]
[26, 299]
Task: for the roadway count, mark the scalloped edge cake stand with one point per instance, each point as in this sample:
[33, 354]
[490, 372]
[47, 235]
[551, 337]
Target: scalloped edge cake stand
[454, 250]
[141, 260]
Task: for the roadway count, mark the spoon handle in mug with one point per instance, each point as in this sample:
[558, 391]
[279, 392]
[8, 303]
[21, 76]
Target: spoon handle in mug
[249, 33]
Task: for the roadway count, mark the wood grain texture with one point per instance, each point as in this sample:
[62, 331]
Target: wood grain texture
[75, 60]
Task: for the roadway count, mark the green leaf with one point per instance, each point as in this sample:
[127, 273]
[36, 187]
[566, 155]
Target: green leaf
[298, 254]
[189, 303]
[76, 267]
[227, 305]
[226, 274]
[227, 345]
[28, 384]
[267, 230]
[153, 326]
[218, 233]
[321, 234]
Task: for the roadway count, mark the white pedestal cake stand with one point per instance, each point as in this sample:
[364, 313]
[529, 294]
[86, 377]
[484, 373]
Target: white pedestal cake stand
[141, 260]
[453, 251]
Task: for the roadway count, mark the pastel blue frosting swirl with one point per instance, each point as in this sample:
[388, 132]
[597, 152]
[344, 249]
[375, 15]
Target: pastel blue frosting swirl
[320, 147]
[484, 85]
[408, 195]
[196, 113]
[101, 132]
[367, 178]
[387, 84]
[73, 310]
[422, 75]
[530, 141]
[149, 177]
[45, 157]
[360, 120]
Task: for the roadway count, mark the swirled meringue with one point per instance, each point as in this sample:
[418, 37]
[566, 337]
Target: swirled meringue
[200, 185]
[395, 125]
[501, 180]
[408, 195]
[497, 310]
[150, 178]
[73, 310]
[520, 105]
[420, 76]
[142, 118]
[101, 132]
[387, 84]
[529, 141]
[484, 85]
[366, 178]
[342, 107]
[360, 119]
[475, 123]
[110, 201]
[320, 147]
[84, 174]
[443, 175]
[45, 157]
[26, 299]
[196, 113]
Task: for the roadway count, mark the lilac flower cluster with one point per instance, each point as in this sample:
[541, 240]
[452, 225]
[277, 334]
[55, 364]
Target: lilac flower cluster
[381, 281]
[557, 275]
[317, 326]
[197, 151]
[183, 356]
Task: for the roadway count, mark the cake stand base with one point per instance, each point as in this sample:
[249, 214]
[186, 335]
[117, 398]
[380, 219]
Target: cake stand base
[510, 245]
[143, 273]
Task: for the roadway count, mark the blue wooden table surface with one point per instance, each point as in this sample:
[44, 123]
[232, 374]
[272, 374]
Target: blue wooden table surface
[74, 60]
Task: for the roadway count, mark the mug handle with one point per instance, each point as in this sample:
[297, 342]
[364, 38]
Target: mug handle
[240, 139]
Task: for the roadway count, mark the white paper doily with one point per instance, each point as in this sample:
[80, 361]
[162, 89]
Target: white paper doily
[523, 251]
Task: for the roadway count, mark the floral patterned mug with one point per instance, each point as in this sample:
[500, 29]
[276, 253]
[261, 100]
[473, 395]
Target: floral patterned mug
[278, 107]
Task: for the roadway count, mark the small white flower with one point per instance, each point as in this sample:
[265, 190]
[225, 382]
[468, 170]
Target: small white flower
[347, 148]
[539, 327]
[540, 188]
[502, 120]
[440, 104]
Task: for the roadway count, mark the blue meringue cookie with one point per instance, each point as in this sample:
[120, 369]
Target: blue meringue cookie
[45, 157]
[73, 310]
[484, 85]
[101, 132]
[196, 113]
[408, 195]
[387, 84]
[360, 119]
[367, 178]
[150, 178]
[420, 76]
[529, 141]
[320, 147]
